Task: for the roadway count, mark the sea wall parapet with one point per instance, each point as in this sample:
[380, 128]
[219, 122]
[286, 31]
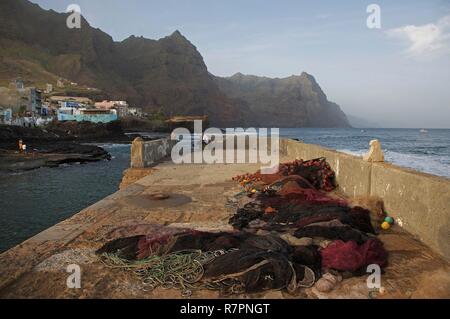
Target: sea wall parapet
[147, 153]
[419, 202]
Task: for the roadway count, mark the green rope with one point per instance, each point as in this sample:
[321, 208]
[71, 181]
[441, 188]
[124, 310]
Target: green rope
[180, 270]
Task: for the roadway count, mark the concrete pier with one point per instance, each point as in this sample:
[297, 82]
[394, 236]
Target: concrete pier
[38, 267]
[419, 201]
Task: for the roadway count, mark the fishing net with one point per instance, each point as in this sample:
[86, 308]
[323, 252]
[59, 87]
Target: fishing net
[316, 172]
[251, 263]
[180, 270]
[349, 256]
[296, 202]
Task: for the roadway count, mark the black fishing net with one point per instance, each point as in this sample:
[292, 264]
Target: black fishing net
[295, 202]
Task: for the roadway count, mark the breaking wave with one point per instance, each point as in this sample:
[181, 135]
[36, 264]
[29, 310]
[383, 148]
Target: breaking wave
[432, 164]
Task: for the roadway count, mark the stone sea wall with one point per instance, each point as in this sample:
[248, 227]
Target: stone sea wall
[419, 202]
[146, 153]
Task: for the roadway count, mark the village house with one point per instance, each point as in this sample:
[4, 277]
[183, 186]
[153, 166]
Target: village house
[122, 108]
[84, 114]
[70, 101]
[5, 115]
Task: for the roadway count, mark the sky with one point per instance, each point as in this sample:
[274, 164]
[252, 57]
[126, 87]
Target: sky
[397, 75]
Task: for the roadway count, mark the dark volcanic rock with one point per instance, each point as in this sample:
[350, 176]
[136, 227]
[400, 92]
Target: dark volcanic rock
[50, 155]
[296, 101]
[167, 75]
[57, 132]
[87, 131]
[44, 149]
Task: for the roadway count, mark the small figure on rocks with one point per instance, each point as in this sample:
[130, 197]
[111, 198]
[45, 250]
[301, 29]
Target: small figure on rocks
[22, 146]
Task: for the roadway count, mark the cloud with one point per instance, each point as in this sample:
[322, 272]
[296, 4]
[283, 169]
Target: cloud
[427, 41]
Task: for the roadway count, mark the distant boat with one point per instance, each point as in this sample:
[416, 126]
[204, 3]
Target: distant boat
[423, 131]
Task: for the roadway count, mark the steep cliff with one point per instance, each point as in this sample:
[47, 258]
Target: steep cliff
[295, 101]
[168, 74]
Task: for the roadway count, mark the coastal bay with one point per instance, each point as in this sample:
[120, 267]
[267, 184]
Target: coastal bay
[34, 200]
[49, 195]
[64, 143]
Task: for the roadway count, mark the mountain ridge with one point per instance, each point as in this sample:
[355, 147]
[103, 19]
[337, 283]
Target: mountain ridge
[167, 74]
[285, 101]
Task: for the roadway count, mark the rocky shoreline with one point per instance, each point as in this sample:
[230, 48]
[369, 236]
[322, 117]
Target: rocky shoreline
[63, 143]
[64, 153]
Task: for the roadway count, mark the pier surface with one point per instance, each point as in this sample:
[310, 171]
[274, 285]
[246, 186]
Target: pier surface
[37, 267]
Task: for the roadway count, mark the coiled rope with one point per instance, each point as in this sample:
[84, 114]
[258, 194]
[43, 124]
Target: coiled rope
[184, 270]
[181, 270]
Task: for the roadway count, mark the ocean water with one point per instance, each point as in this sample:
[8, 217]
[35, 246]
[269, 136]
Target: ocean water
[426, 152]
[32, 201]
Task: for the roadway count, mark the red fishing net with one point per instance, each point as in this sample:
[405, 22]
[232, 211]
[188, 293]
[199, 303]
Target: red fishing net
[317, 172]
[349, 256]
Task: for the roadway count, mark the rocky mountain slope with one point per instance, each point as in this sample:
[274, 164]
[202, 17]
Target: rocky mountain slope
[296, 101]
[168, 74]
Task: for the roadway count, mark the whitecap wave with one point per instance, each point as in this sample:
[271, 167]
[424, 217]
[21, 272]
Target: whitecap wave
[113, 145]
[432, 164]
